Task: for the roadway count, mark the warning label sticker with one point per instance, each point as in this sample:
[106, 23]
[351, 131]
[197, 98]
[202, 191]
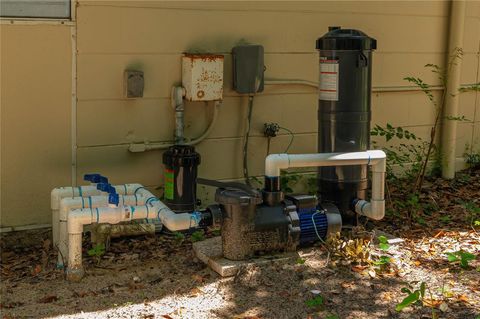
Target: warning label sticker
[328, 80]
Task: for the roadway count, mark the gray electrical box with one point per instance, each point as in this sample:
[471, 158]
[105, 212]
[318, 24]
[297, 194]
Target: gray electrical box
[133, 84]
[248, 69]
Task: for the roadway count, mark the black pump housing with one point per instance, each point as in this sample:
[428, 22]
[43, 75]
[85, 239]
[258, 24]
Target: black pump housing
[181, 164]
[344, 113]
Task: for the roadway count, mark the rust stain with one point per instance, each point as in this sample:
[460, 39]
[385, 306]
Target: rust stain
[204, 57]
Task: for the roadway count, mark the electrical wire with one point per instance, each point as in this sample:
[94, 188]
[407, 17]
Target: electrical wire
[269, 139]
[245, 143]
[292, 136]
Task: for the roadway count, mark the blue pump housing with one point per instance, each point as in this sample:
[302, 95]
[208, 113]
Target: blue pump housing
[312, 221]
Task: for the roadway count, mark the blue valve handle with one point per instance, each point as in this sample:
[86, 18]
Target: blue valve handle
[102, 179]
[105, 187]
[113, 198]
[95, 178]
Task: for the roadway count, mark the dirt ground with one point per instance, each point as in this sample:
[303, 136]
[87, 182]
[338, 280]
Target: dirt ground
[159, 277]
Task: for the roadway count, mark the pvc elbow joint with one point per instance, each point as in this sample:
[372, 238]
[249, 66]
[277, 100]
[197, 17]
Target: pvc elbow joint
[374, 210]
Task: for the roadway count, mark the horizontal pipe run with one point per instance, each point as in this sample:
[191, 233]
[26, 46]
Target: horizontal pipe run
[78, 218]
[275, 162]
[58, 194]
[68, 204]
[374, 209]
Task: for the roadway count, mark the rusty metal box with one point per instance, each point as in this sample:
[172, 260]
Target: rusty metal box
[202, 77]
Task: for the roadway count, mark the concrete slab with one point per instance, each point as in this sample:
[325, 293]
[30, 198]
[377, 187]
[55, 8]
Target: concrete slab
[210, 252]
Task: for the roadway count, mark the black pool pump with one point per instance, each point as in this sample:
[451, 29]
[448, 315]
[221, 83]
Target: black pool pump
[253, 221]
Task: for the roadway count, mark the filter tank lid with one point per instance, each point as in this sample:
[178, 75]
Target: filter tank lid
[181, 155]
[345, 39]
[236, 197]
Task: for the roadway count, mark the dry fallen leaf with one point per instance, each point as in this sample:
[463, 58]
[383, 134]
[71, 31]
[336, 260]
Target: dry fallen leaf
[359, 268]
[463, 298]
[36, 270]
[195, 292]
[198, 278]
[387, 296]
[48, 299]
[431, 302]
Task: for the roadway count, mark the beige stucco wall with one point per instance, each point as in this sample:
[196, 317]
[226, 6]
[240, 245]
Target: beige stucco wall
[115, 35]
[36, 64]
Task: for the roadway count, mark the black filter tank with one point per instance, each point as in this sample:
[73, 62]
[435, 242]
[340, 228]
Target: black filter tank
[344, 113]
[181, 163]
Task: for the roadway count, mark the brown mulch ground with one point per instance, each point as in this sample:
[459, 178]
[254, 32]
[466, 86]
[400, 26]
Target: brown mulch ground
[157, 277]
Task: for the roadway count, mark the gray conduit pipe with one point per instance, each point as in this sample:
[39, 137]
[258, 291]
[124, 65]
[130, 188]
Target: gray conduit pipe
[143, 147]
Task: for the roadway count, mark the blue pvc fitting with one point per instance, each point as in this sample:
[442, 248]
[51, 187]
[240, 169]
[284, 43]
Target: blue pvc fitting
[91, 177]
[105, 187]
[95, 178]
[113, 198]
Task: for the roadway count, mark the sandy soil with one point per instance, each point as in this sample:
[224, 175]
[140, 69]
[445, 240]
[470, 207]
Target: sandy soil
[157, 277]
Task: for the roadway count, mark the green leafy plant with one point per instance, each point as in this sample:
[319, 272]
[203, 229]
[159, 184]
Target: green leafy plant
[198, 235]
[300, 261]
[316, 302]
[178, 237]
[288, 180]
[461, 257]
[407, 154]
[439, 105]
[216, 232]
[474, 212]
[390, 132]
[382, 261]
[412, 296]
[444, 219]
[383, 243]
[97, 251]
[332, 316]
[472, 159]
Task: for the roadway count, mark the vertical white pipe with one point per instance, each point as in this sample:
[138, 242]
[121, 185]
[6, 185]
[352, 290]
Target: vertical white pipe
[73, 116]
[75, 270]
[449, 132]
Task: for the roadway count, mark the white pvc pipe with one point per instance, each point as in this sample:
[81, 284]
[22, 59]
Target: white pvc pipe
[275, 162]
[68, 204]
[375, 209]
[81, 191]
[113, 215]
